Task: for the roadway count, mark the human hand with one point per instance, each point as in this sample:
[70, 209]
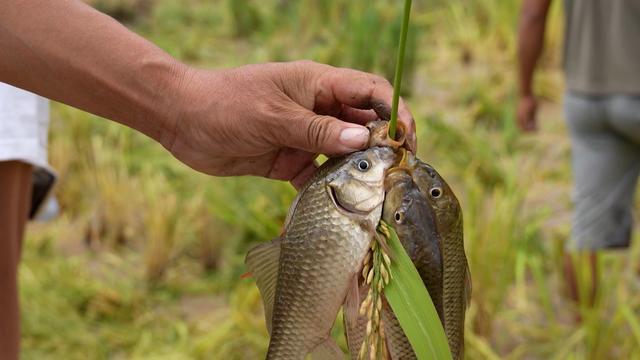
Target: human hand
[526, 113]
[273, 119]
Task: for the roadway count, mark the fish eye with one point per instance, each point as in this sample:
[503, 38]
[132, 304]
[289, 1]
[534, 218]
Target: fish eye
[363, 165]
[398, 217]
[436, 192]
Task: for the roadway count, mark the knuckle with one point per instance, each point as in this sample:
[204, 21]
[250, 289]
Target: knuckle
[305, 62]
[272, 122]
[311, 73]
[379, 80]
[355, 76]
[317, 132]
[311, 66]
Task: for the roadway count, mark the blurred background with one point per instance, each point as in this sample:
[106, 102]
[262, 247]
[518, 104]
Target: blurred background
[146, 257]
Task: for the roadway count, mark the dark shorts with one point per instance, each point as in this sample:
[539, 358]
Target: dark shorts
[605, 136]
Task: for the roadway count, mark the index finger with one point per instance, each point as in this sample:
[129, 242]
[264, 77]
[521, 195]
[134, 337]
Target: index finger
[365, 91]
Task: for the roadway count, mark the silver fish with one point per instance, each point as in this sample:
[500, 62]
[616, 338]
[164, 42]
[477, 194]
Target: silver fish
[309, 272]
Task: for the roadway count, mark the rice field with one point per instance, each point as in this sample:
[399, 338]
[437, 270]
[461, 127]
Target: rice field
[145, 259]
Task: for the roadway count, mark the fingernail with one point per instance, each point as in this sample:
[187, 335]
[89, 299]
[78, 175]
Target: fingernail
[354, 137]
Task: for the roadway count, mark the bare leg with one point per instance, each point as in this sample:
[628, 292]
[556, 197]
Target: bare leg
[15, 200]
[573, 264]
[570, 279]
[593, 266]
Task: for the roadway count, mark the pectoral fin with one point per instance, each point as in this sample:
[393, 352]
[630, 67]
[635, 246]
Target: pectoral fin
[355, 326]
[352, 301]
[263, 261]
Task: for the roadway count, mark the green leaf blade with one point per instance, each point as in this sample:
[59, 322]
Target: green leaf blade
[397, 81]
[412, 305]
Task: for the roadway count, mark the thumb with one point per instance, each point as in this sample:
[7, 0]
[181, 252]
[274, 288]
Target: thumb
[325, 134]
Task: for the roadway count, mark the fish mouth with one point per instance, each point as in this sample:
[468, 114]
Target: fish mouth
[400, 163]
[406, 160]
[403, 165]
[379, 134]
[341, 207]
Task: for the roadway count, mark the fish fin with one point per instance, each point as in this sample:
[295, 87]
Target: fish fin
[263, 261]
[352, 301]
[355, 327]
[467, 286]
[327, 350]
[385, 246]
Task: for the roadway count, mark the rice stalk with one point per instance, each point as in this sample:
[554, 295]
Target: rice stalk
[397, 81]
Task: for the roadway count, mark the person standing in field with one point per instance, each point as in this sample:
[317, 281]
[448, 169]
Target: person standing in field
[602, 109]
[24, 120]
[269, 120]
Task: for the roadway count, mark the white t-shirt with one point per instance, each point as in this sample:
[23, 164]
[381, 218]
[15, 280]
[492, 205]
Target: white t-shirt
[24, 123]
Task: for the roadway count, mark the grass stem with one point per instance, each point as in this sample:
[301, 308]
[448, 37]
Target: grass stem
[397, 81]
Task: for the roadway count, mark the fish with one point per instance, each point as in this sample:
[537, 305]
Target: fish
[308, 273]
[456, 279]
[427, 218]
[412, 217]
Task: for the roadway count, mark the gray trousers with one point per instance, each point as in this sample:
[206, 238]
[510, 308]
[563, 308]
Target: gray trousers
[605, 137]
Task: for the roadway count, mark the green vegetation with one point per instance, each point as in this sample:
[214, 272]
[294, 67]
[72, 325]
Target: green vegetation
[397, 79]
[146, 260]
[412, 305]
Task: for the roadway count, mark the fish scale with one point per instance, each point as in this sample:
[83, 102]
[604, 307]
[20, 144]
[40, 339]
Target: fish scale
[397, 342]
[431, 233]
[456, 280]
[325, 247]
[414, 222]
[319, 254]
[455, 295]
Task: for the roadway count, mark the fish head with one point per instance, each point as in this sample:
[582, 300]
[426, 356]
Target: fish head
[405, 205]
[411, 215]
[436, 190]
[357, 186]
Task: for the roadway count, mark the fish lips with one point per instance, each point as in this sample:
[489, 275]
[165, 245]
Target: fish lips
[371, 195]
[347, 208]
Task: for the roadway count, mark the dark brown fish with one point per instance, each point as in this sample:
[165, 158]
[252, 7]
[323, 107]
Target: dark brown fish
[412, 217]
[456, 290]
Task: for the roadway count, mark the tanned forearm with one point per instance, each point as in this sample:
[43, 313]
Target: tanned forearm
[265, 119]
[119, 75]
[530, 41]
